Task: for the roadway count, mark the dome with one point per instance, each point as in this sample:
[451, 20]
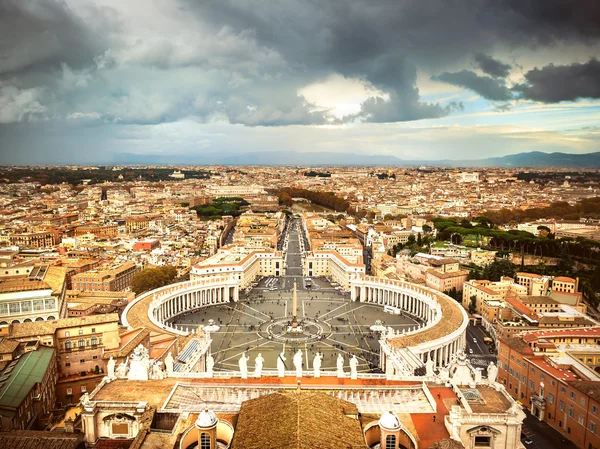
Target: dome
[206, 419]
[389, 421]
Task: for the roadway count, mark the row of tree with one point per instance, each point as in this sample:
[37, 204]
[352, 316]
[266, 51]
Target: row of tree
[584, 208]
[325, 199]
[58, 175]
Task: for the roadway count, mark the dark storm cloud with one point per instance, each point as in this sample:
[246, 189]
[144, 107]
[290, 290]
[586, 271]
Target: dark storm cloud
[488, 88]
[385, 41]
[42, 34]
[492, 66]
[552, 84]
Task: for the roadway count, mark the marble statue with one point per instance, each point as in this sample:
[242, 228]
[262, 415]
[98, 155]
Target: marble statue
[122, 369]
[169, 362]
[111, 367]
[156, 371]
[281, 365]
[85, 399]
[210, 363]
[317, 364]
[298, 363]
[340, 365]
[492, 372]
[258, 365]
[139, 364]
[429, 367]
[353, 367]
[243, 363]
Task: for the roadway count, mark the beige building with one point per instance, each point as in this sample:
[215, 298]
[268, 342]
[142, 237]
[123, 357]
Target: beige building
[484, 290]
[79, 344]
[341, 269]
[243, 264]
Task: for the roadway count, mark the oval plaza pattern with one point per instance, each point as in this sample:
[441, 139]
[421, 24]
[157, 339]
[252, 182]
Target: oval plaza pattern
[440, 335]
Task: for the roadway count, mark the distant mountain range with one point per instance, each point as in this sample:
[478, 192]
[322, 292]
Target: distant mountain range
[535, 159]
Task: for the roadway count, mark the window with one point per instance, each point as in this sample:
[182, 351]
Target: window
[94, 341]
[69, 391]
[67, 334]
[390, 442]
[481, 441]
[81, 343]
[531, 385]
[594, 409]
[580, 419]
[93, 330]
[571, 412]
[81, 360]
[204, 441]
[582, 402]
[67, 345]
[572, 394]
[550, 398]
[563, 390]
[80, 331]
[68, 364]
[561, 406]
[592, 427]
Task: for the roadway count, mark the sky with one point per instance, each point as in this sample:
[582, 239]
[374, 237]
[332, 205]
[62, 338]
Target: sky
[91, 81]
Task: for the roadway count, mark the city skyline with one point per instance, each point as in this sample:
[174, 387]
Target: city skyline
[85, 82]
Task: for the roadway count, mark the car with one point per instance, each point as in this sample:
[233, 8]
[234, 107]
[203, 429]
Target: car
[470, 351]
[527, 441]
[474, 340]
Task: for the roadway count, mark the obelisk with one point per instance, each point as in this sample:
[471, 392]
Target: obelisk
[294, 306]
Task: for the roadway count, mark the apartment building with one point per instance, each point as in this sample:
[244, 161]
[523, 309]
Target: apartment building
[107, 280]
[555, 375]
[484, 290]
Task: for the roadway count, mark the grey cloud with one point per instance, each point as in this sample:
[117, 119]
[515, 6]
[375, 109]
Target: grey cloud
[488, 88]
[492, 66]
[41, 34]
[553, 84]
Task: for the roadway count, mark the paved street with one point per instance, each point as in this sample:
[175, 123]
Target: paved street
[481, 356]
[543, 436]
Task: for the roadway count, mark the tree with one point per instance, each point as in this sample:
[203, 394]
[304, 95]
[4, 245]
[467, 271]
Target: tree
[473, 304]
[153, 277]
[494, 271]
[426, 229]
[411, 240]
[419, 239]
[544, 231]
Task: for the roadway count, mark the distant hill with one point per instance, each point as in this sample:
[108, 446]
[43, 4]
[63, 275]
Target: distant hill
[536, 159]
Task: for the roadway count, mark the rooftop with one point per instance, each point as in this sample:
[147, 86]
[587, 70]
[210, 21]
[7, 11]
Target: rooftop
[21, 375]
[298, 419]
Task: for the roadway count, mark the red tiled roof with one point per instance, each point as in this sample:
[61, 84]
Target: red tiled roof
[522, 308]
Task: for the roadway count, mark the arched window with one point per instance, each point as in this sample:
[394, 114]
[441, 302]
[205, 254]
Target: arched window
[204, 441]
[81, 343]
[94, 341]
[67, 345]
[390, 442]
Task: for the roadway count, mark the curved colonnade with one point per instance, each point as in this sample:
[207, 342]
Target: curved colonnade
[152, 309]
[443, 332]
[438, 338]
